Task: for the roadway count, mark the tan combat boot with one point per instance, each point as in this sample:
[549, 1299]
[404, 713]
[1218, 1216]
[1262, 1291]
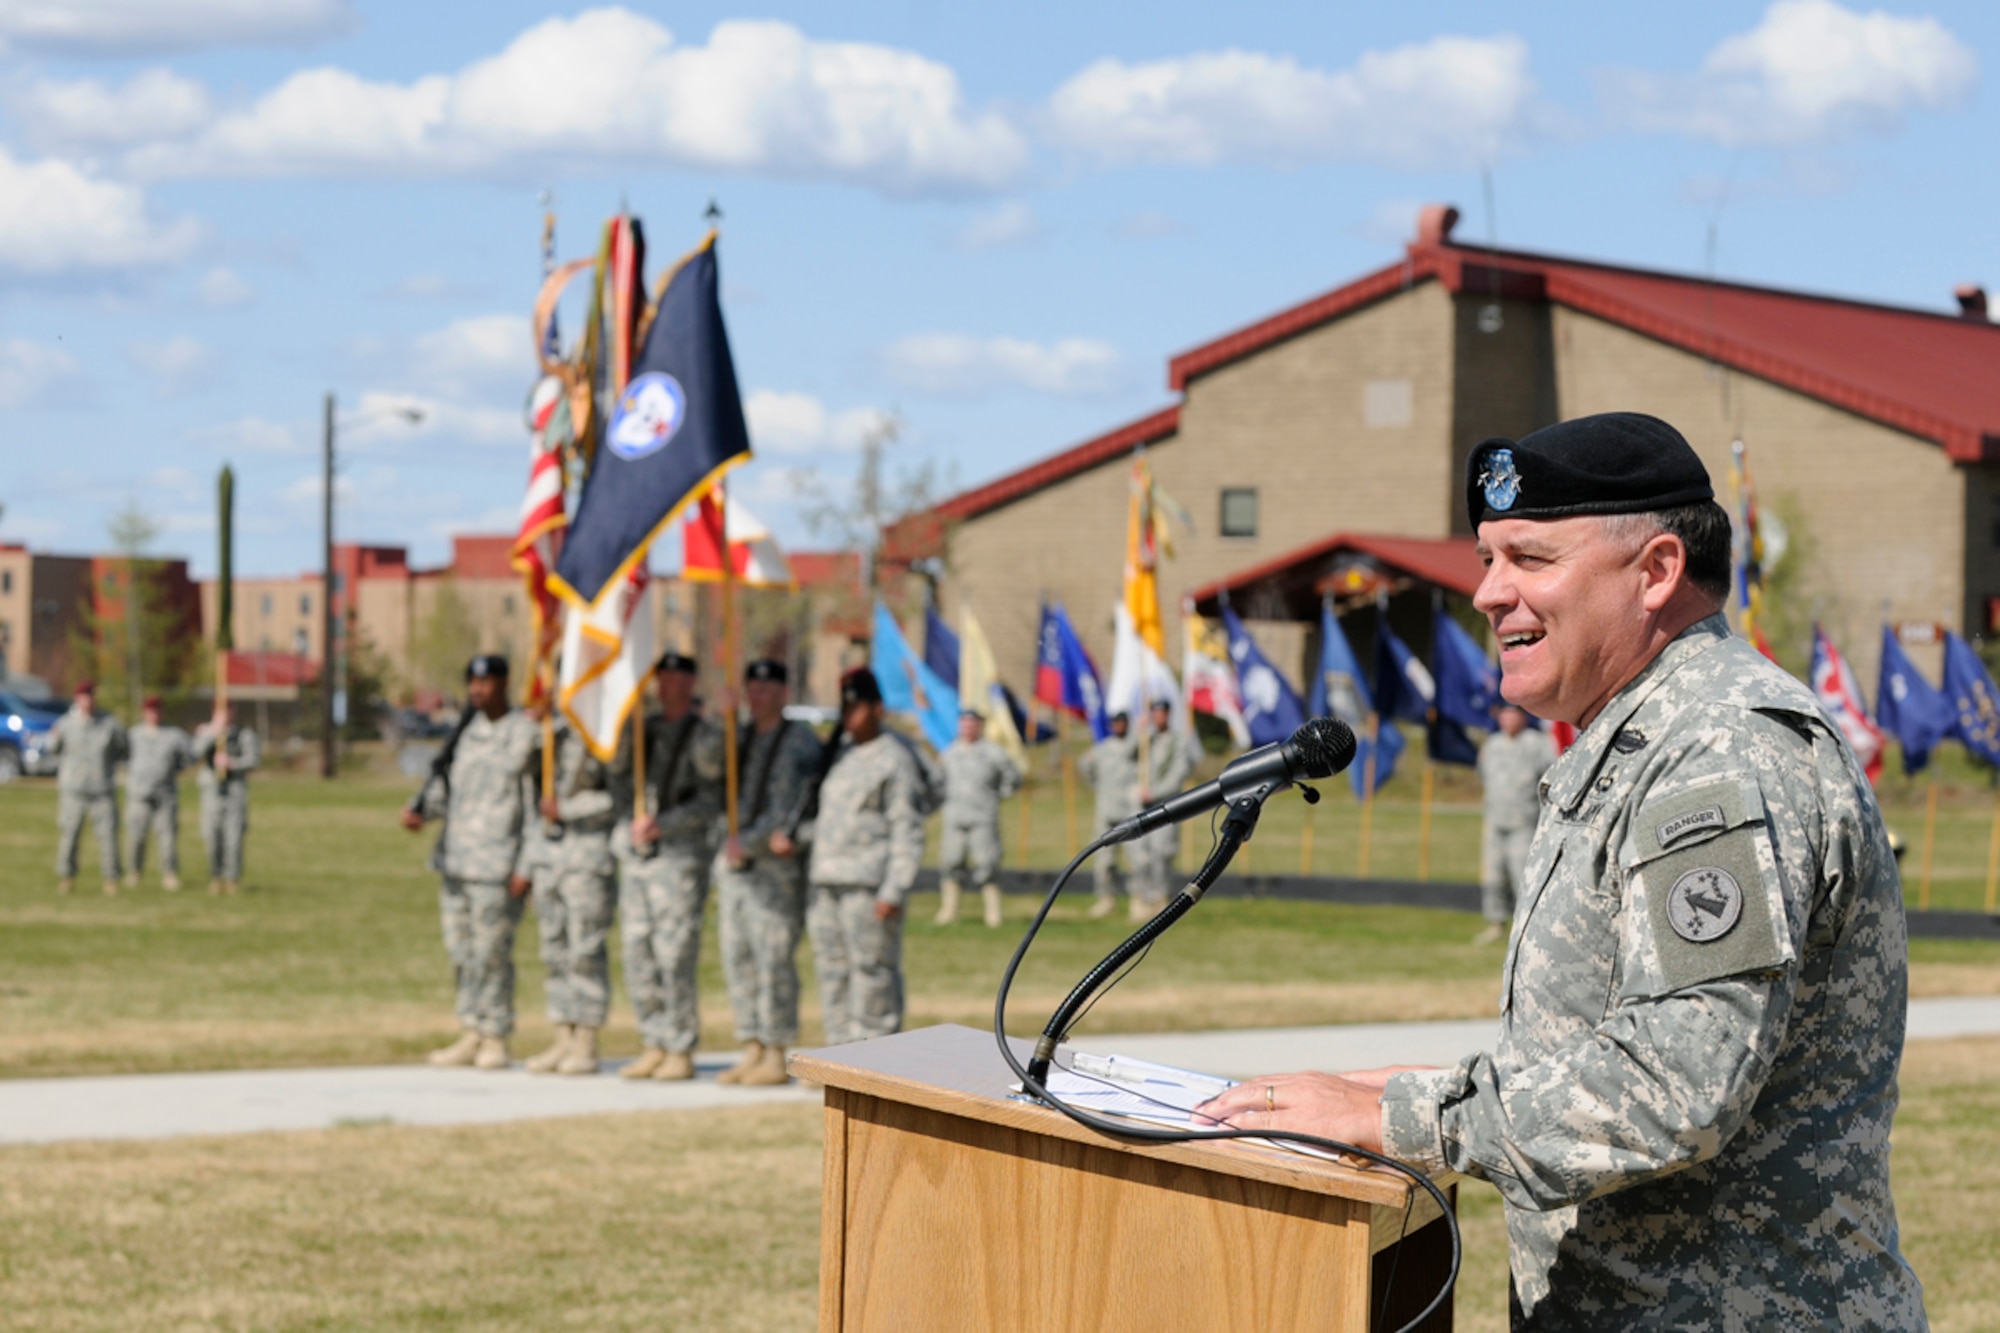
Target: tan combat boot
[768, 1072]
[229, 888]
[990, 895]
[111, 888]
[947, 902]
[493, 1054]
[582, 1055]
[544, 1062]
[170, 882]
[215, 888]
[677, 1067]
[646, 1065]
[752, 1053]
[1103, 907]
[65, 885]
[459, 1053]
[131, 879]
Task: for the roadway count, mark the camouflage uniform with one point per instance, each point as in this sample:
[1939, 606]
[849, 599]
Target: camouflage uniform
[153, 794]
[867, 845]
[480, 848]
[1702, 1015]
[1111, 769]
[575, 893]
[662, 896]
[762, 906]
[1510, 770]
[1170, 758]
[89, 750]
[978, 775]
[225, 799]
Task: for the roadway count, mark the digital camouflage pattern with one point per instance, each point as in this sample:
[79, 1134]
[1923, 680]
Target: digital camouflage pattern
[1110, 769]
[225, 798]
[978, 776]
[859, 960]
[661, 896]
[88, 750]
[153, 794]
[575, 889]
[1170, 757]
[762, 907]
[1703, 1005]
[479, 918]
[1510, 772]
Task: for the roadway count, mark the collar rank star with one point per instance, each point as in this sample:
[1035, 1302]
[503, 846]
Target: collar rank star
[1704, 904]
[1501, 482]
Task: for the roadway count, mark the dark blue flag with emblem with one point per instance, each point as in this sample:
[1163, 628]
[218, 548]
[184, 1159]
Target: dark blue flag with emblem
[1909, 707]
[1468, 690]
[677, 426]
[940, 646]
[1271, 707]
[1975, 701]
[1339, 692]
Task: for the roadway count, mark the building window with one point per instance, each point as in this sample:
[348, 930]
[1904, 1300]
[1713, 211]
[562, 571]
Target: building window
[6, 580]
[507, 605]
[265, 605]
[1239, 512]
[305, 604]
[1387, 404]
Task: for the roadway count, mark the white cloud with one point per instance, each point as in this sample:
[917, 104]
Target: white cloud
[252, 433]
[798, 423]
[612, 86]
[133, 27]
[224, 287]
[489, 351]
[1811, 71]
[1148, 224]
[1448, 102]
[30, 372]
[959, 364]
[55, 218]
[179, 364]
[154, 104]
[1011, 223]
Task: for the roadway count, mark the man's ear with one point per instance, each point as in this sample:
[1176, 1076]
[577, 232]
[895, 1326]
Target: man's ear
[1663, 570]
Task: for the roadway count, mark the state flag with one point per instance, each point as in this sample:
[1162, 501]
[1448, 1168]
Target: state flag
[1065, 677]
[755, 558]
[1271, 707]
[1909, 707]
[1833, 684]
[908, 686]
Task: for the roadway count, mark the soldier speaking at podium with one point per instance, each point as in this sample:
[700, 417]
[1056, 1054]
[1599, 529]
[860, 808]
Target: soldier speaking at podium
[1702, 1005]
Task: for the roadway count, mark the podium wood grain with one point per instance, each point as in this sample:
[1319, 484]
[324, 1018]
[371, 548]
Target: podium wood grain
[948, 1206]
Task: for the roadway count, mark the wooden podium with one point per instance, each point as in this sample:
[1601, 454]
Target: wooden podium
[950, 1205]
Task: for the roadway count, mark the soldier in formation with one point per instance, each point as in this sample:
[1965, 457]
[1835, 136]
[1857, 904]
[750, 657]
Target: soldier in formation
[482, 792]
[225, 755]
[760, 877]
[665, 853]
[576, 896]
[978, 776]
[1511, 763]
[88, 745]
[1169, 759]
[1110, 769]
[153, 795]
[867, 844]
[1688, 1111]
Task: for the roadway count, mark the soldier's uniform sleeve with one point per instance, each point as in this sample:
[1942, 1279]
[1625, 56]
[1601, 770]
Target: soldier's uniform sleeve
[793, 769]
[1010, 775]
[1174, 774]
[1729, 827]
[585, 792]
[118, 747]
[706, 761]
[249, 752]
[906, 830]
[56, 734]
[1086, 767]
[204, 746]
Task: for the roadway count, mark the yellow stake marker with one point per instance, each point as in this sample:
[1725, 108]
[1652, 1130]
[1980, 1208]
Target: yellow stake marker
[1930, 832]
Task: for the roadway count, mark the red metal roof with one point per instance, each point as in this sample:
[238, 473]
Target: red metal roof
[1451, 563]
[482, 557]
[819, 569]
[275, 668]
[1932, 374]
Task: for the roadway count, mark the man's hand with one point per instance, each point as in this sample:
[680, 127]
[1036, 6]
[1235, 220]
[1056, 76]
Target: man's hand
[1347, 1110]
[887, 911]
[412, 820]
[782, 844]
[645, 832]
[551, 809]
[732, 852]
[518, 886]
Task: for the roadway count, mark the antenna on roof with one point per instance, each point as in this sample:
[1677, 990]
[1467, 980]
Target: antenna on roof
[1491, 320]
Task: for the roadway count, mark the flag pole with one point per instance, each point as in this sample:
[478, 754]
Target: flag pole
[1930, 837]
[1027, 789]
[1993, 865]
[1068, 769]
[1424, 821]
[1368, 795]
[730, 759]
[639, 750]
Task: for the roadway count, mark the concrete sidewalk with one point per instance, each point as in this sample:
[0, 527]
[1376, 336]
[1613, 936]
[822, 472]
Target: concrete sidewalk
[147, 1106]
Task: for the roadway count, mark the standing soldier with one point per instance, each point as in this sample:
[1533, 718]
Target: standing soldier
[226, 754]
[664, 854]
[576, 897]
[89, 744]
[1111, 769]
[978, 775]
[484, 802]
[867, 845]
[153, 795]
[760, 877]
[1511, 764]
[1169, 760]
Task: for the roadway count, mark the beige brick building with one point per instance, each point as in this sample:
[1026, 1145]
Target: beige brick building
[1876, 428]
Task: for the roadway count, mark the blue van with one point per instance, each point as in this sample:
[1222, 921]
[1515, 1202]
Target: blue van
[24, 738]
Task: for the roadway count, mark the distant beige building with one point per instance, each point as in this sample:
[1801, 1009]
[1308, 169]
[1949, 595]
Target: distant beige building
[1354, 412]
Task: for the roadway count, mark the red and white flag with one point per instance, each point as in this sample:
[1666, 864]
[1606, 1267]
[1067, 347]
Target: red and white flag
[1833, 684]
[607, 653]
[755, 558]
[1210, 677]
[543, 520]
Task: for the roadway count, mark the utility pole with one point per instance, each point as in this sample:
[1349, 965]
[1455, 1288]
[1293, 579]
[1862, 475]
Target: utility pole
[328, 755]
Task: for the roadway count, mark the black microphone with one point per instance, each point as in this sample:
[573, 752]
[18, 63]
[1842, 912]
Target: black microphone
[1319, 749]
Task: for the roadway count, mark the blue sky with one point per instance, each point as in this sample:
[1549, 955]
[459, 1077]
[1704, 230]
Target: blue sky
[996, 225]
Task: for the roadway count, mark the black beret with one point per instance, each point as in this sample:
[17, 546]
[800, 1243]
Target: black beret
[1614, 463]
[1158, 704]
[973, 713]
[859, 686]
[767, 668]
[486, 666]
[680, 662]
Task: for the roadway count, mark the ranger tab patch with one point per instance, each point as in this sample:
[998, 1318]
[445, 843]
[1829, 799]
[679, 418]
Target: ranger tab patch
[1704, 904]
[1709, 816]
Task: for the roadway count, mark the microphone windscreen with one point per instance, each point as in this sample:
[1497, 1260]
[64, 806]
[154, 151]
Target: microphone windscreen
[1324, 746]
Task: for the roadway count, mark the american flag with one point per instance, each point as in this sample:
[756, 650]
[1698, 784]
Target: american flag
[543, 520]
